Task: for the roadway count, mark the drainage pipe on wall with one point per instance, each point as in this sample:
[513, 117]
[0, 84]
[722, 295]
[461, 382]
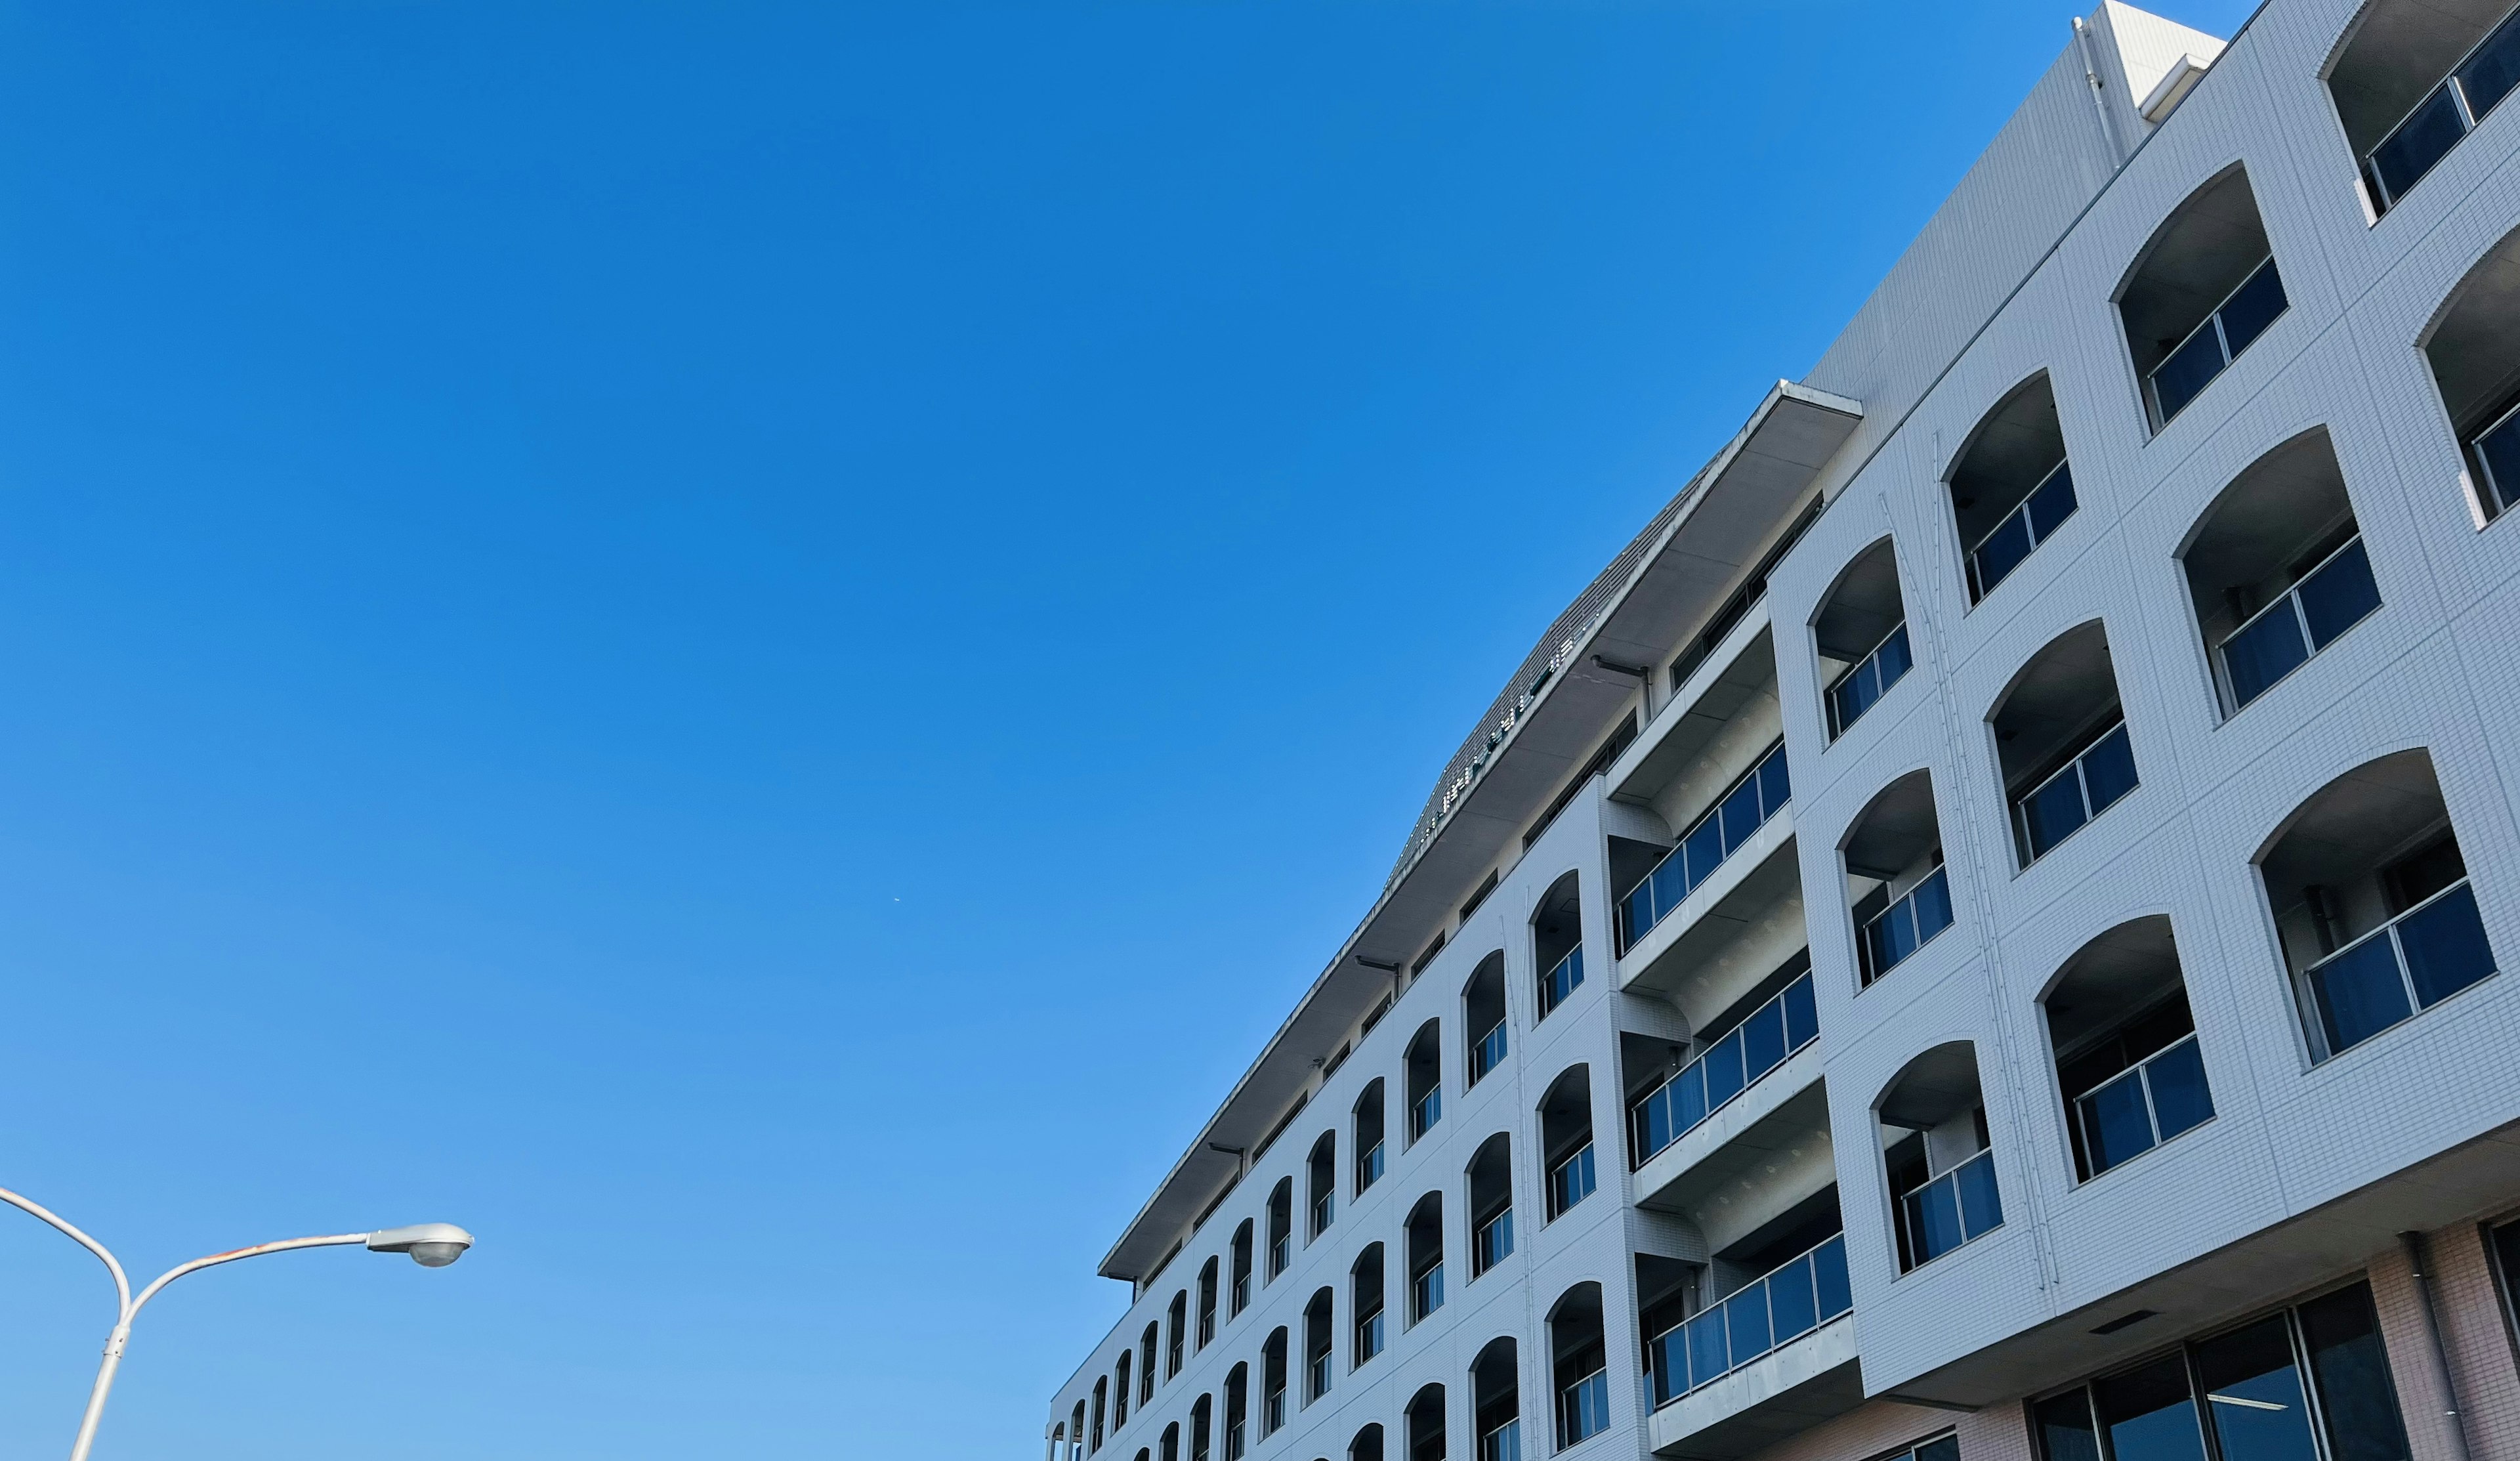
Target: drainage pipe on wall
[2414, 1244]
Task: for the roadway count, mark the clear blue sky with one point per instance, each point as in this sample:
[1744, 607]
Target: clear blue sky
[752, 649]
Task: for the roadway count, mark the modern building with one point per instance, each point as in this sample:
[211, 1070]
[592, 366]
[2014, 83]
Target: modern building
[1978, 935]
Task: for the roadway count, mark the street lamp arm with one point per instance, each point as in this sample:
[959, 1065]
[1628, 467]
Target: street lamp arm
[122, 1285]
[337, 1240]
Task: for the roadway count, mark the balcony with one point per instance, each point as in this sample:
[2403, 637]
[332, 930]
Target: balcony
[1758, 1046]
[2373, 904]
[1957, 1208]
[1861, 633]
[2022, 530]
[2278, 639]
[1487, 1052]
[1724, 829]
[1907, 924]
[1871, 677]
[2204, 288]
[1790, 1301]
[1493, 1244]
[2079, 791]
[1570, 1181]
[2128, 1065]
[2210, 348]
[2130, 1115]
[1561, 981]
[2497, 450]
[2410, 962]
[2425, 134]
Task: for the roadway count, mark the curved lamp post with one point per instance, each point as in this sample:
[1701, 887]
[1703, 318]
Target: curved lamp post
[431, 1245]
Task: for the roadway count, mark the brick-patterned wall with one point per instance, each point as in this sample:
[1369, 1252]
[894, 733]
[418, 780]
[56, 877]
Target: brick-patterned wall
[1998, 1432]
[1869, 1430]
[2474, 1337]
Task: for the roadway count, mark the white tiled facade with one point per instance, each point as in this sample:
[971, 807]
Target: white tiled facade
[2314, 1162]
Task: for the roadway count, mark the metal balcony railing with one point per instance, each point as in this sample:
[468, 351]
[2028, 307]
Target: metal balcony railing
[2325, 602]
[2497, 454]
[1890, 935]
[1426, 1290]
[1504, 1443]
[2082, 789]
[1583, 1408]
[1368, 1166]
[2412, 962]
[1425, 1112]
[1744, 807]
[2022, 530]
[2451, 111]
[1731, 1065]
[2210, 348]
[1488, 1053]
[1493, 1244]
[1788, 1301]
[1368, 1336]
[1570, 1181]
[2146, 1105]
[1950, 1209]
[1561, 981]
[1862, 687]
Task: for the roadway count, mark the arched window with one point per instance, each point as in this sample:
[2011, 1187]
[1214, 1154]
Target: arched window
[2060, 741]
[2128, 1067]
[1937, 1154]
[1281, 1226]
[1076, 1431]
[1206, 1302]
[1896, 889]
[1425, 1417]
[1177, 1318]
[1202, 1427]
[2414, 81]
[1483, 1015]
[1566, 1139]
[1557, 943]
[1367, 1444]
[2276, 569]
[2372, 902]
[1101, 1394]
[1320, 1186]
[1238, 1402]
[2202, 290]
[1057, 1442]
[1364, 1304]
[1317, 1345]
[1496, 1402]
[1425, 1257]
[1862, 635]
[1239, 1293]
[1579, 1365]
[1120, 1391]
[1491, 1184]
[2474, 349]
[2011, 487]
[1368, 1138]
[1147, 1343]
[1169, 1448]
[1425, 1064]
[1272, 1382]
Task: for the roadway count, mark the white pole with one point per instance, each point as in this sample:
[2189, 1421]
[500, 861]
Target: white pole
[128, 1307]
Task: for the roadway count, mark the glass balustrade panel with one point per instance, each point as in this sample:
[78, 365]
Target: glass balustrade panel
[2445, 946]
[2338, 595]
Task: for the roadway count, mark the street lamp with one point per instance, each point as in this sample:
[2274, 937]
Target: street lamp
[431, 1245]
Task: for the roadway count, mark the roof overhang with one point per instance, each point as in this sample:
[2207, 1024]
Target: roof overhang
[1725, 517]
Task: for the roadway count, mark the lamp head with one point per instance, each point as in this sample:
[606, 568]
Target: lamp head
[431, 1245]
